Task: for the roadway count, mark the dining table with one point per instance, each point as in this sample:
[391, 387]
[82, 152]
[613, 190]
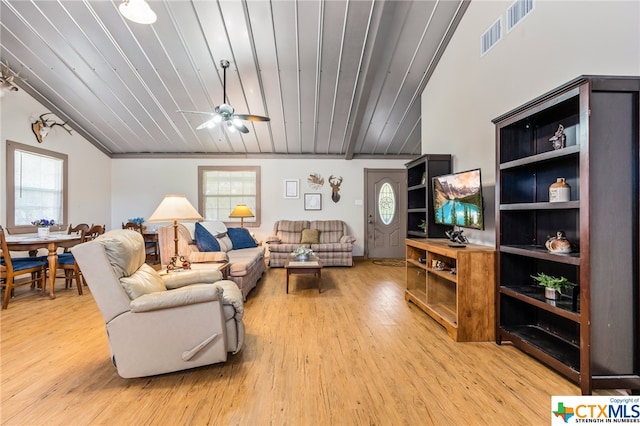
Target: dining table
[33, 242]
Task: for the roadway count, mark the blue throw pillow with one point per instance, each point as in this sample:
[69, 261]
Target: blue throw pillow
[240, 238]
[204, 240]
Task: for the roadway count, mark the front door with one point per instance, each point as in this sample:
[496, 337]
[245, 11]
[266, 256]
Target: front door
[385, 213]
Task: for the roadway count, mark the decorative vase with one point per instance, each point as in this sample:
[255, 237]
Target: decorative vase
[558, 244]
[559, 191]
[304, 256]
[550, 293]
[43, 232]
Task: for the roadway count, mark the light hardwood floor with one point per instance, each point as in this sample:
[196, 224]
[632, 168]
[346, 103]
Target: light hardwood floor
[356, 354]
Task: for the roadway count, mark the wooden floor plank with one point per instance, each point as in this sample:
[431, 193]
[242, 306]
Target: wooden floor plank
[355, 354]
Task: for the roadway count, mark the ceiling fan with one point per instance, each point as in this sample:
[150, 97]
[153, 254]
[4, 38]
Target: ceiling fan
[224, 113]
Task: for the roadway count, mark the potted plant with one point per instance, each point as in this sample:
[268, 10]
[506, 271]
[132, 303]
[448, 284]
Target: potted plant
[423, 225]
[552, 285]
[43, 226]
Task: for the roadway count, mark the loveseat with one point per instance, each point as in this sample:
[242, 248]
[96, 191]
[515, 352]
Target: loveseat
[329, 240]
[159, 323]
[246, 259]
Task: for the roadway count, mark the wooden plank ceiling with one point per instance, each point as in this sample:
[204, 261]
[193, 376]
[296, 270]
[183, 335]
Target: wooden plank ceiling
[338, 78]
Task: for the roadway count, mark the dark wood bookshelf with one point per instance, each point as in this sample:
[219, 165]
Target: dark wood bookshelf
[591, 336]
[419, 199]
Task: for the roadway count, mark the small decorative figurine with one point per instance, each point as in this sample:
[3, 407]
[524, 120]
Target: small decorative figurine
[456, 236]
[438, 265]
[558, 140]
[558, 244]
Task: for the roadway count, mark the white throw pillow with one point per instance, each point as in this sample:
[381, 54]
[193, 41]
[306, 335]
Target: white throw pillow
[225, 242]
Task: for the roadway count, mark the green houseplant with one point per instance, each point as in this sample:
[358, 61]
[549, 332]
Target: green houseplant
[553, 285]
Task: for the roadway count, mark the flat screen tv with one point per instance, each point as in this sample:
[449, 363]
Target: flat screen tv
[457, 199]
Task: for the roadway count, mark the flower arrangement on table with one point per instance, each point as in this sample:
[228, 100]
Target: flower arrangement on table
[302, 252]
[43, 226]
[137, 220]
[43, 223]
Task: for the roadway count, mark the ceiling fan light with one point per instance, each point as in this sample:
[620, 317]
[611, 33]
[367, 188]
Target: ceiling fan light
[137, 11]
[217, 118]
[230, 126]
[226, 110]
[237, 122]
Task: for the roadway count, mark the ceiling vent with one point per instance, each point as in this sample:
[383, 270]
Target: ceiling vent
[491, 37]
[518, 11]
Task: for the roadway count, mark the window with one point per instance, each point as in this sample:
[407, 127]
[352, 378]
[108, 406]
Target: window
[36, 186]
[221, 188]
[386, 203]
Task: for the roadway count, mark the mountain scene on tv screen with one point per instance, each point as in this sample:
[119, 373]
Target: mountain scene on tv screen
[457, 203]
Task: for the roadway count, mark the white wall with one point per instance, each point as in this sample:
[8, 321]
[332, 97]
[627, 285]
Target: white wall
[138, 186]
[89, 169]
[558, 41]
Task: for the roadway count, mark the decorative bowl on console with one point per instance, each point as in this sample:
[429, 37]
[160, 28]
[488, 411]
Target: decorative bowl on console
[302, 253]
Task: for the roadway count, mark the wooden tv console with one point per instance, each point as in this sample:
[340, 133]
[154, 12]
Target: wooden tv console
[462, 302]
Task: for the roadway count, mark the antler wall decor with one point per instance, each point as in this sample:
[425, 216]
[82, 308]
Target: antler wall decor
[43, 126]
[8, 78]
[335, 183]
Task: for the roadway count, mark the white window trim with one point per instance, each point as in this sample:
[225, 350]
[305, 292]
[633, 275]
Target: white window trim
[12, 147]
[248, 224]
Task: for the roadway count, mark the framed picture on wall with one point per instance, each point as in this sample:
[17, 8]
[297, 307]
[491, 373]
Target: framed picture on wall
[291, 188]
[313, 201]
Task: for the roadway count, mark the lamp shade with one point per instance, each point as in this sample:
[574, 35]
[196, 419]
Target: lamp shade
[174, 207]
[137, 11]
[241, 211]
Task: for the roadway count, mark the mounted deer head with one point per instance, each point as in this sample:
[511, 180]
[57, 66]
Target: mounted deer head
[8, 78]
[43, 126]
[335, 187]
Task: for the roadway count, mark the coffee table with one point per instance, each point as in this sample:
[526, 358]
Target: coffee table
[311, 266]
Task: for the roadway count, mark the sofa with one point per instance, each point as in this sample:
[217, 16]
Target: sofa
[158, 323]
[329, 240]
[246, 264]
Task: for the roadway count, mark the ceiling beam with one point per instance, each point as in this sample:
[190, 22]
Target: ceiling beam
[381, 18]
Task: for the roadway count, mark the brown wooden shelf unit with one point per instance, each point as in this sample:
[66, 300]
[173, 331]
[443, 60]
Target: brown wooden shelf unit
[593, 335]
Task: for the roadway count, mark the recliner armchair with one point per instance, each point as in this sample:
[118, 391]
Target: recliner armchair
[159, 323]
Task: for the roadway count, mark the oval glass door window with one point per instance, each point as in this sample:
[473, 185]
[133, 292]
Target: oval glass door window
[386, 203]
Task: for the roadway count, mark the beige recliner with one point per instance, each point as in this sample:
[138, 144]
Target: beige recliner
[159, 323]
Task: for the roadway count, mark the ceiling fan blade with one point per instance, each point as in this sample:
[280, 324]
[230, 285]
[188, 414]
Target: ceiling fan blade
[194, 112]
[252, 117]
[240, 126]
[207, 124]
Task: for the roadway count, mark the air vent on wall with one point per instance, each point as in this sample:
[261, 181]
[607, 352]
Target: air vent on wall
[517, 12]
[491, 37]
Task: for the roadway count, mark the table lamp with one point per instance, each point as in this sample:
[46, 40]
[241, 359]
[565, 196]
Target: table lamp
[172, 209]
[241, 211]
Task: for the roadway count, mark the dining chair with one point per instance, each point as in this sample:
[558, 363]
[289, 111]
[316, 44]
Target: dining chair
[66, 261]
[94, 232]
[152, 251]
[10, 268]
